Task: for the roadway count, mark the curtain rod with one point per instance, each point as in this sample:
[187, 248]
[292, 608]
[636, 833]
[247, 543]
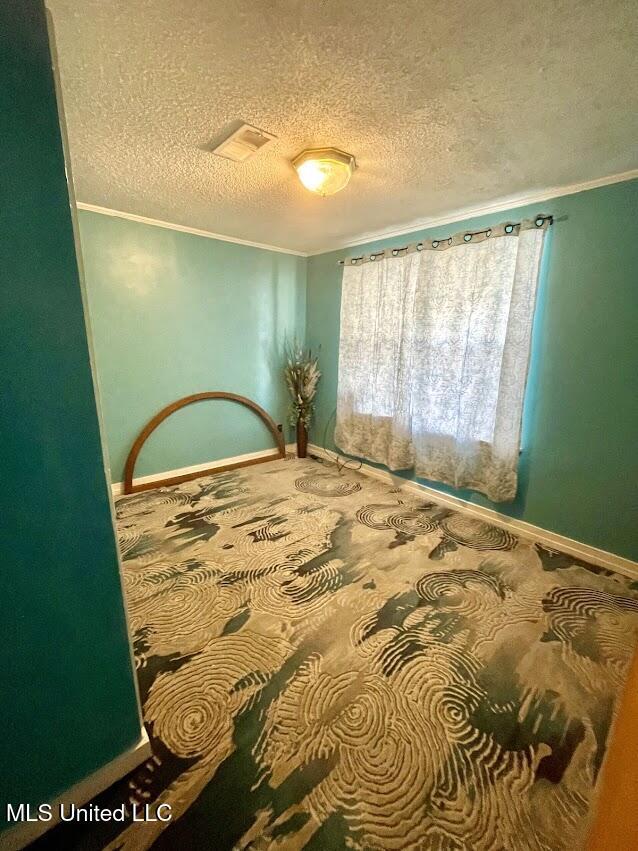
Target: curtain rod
[506, 229]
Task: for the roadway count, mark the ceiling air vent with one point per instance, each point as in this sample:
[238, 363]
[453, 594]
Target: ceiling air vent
[243, 143]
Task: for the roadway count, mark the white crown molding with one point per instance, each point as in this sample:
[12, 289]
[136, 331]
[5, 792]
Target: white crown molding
[26, 832]
[584, 552]
[117, 489]
[144, 220]
[509, 203]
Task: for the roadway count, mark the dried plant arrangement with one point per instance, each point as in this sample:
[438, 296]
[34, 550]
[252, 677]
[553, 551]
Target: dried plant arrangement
[302, 374]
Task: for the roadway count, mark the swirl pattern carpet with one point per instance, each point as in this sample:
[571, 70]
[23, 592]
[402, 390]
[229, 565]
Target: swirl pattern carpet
[326, 662]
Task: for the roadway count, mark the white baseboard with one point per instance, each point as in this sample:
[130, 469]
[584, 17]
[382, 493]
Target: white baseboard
[22, 834]
[118, 487]
[585, 552]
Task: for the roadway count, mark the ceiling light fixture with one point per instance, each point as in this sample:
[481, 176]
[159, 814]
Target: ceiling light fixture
[324, 170]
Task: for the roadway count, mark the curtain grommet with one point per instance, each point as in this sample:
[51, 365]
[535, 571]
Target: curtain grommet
[467, 237]
[435, 243]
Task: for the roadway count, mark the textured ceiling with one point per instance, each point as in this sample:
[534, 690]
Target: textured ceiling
[444, 104]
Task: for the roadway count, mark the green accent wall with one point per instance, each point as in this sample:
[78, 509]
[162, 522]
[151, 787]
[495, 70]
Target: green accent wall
[579, 464]
[174, 313]
[68, 699]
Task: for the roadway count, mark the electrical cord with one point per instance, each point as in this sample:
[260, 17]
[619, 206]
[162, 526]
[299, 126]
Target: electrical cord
[340, 461]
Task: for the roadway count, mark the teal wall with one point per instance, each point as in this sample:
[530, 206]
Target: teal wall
[579, 465]
[67, 699]
[172, 314]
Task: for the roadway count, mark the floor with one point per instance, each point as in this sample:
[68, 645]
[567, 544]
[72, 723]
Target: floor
[327, 662]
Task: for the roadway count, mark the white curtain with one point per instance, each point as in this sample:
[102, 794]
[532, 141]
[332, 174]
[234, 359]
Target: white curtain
[433, 359]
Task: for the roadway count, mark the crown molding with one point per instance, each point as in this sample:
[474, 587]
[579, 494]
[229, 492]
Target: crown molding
[502, 204]
[508, 203]
[144, 220]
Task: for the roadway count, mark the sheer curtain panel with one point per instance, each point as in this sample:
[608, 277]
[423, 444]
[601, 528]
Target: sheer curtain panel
[433, 358]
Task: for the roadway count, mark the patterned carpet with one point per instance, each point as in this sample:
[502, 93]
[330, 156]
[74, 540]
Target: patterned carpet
[326, 662]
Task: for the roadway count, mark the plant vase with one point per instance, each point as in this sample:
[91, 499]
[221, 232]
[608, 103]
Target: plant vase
[302, 439]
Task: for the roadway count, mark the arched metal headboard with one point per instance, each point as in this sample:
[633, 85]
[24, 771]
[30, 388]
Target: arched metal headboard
[149, 428]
